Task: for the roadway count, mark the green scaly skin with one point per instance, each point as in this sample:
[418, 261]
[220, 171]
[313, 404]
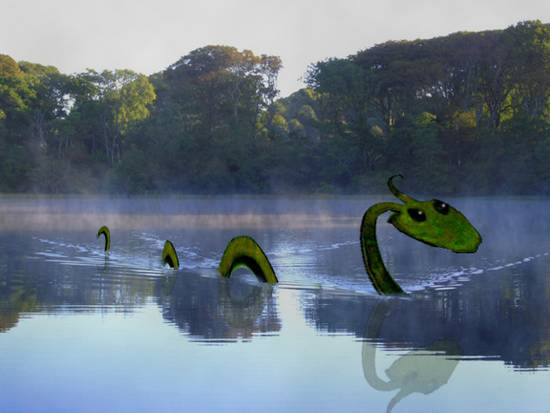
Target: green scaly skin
[170, 256]
[105, 231]
[376, 270]
[434, 222]
[243, 251]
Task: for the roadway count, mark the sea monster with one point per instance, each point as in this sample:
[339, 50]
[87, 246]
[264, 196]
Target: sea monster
[241, 251]
[170, 256]
[244, 251]
[434, 222]
[105, 231]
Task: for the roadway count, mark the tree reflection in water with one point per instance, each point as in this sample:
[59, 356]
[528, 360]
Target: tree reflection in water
[502, 315]
[207, 309]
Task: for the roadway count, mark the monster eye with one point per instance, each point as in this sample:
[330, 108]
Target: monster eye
[441, 207]
[417, 214]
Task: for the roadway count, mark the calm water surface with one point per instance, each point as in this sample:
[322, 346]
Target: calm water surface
[80, 332]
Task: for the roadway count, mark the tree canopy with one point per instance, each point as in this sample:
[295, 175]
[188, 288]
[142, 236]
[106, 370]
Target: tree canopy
[468, 113]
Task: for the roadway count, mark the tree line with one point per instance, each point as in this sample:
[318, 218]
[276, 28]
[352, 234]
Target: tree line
[466, 113]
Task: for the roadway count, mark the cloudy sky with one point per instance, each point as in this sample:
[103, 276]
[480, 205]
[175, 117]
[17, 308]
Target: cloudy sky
[149, 35]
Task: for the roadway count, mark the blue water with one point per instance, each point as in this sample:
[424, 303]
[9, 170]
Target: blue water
[82, 332]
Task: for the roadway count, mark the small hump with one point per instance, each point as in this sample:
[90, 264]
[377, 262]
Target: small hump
[398, 194]
[170, 256]
[104, 230]
[244, 251]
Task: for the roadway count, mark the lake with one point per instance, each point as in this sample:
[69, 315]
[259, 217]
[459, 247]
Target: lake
[82, 332]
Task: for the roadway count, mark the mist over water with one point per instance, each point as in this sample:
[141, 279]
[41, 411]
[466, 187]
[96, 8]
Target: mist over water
[321, 340]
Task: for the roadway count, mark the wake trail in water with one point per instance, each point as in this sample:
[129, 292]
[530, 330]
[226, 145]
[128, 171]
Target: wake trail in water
[79, 255]
[297, 264]
[452, 279]
[189, 255]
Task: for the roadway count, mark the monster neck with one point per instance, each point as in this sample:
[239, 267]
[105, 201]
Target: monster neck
[376, 270]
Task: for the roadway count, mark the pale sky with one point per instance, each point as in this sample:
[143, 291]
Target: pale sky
[148, 35]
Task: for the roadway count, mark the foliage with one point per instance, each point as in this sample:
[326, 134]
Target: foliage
[464, 113]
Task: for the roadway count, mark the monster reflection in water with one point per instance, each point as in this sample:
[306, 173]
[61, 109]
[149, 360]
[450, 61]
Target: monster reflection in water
[219, 309]
[207, 309]
[415, 372]
[241, 311]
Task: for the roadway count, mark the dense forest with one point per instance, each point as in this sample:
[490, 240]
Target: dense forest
[468, 113]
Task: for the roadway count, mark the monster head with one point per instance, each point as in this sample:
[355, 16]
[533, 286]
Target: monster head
[434, 222]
